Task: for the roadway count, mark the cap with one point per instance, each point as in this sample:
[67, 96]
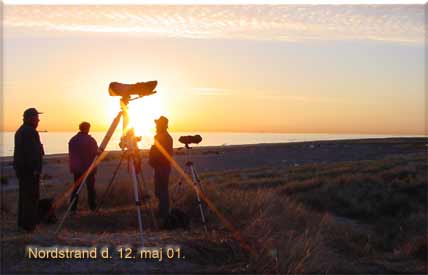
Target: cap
[161, 120]
[31, 112]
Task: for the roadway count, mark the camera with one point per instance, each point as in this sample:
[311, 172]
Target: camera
[190, 139]
[126, 90]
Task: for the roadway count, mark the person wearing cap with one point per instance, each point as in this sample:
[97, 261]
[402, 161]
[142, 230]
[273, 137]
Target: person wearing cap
[159, 158]
[82, 149]
[27, 162]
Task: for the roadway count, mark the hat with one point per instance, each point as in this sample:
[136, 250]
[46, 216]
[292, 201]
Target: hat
[161, 120]
[31, 112]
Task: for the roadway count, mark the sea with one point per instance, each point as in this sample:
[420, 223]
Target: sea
[57, 142]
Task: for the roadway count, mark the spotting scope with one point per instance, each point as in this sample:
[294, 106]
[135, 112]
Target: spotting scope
[190, 139]
[126, 90]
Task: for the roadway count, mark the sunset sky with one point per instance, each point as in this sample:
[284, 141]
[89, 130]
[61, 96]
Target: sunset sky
[248, 68]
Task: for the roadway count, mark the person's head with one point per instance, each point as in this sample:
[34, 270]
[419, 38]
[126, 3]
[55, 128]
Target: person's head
[31, 117]
[84, 127]
[161, 124]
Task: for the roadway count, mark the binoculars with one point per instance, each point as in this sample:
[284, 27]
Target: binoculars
[190, 139]
[126, 90]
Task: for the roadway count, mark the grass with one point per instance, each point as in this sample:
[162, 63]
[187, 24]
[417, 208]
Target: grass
[4, 180]
[349, 217]
[342, 217]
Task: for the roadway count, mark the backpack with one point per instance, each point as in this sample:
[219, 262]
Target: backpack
[45, 214]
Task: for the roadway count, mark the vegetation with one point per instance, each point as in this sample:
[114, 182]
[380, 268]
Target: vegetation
[358, 217]
[349, 217]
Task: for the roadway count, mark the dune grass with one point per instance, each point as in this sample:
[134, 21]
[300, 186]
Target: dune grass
[331, 218]
[349, 217]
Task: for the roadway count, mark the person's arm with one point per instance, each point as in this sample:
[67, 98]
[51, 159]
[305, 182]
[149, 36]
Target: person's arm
[18, 156]
[171, 142]
[74, 155]
[94, 147]
[71, 156]
[31, 151]
[94, 151]
[166, 142]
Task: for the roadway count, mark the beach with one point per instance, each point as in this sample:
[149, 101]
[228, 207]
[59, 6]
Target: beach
[251, 175]
[223, 158]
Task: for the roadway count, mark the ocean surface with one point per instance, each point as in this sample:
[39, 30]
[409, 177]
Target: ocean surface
[57, 142]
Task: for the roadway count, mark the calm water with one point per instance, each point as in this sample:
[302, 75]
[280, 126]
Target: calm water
[57, 142]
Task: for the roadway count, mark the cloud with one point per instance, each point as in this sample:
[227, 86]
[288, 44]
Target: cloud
[211, 91]
[391, 23]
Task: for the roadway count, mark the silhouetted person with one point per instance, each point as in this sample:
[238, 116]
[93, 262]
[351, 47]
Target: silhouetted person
[161, 164]
[82, 149]
[27, 162]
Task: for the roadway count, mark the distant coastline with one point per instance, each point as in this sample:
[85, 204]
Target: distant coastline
[57, 142]
[204, 149]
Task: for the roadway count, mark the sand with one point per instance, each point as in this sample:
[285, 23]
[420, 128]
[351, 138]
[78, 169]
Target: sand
[118, 225]
[222, 158]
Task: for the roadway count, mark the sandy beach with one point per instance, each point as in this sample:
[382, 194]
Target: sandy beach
[223, 158]
[250, 174]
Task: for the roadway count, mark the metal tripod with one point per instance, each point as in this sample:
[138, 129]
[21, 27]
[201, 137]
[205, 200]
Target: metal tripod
[197, 186]
[142, 186]
[129, 148]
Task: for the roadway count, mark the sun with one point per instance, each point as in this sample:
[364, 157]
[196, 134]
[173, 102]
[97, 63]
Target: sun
[142, 113]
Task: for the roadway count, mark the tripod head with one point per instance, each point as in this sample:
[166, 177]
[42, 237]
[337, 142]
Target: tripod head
[128, 141]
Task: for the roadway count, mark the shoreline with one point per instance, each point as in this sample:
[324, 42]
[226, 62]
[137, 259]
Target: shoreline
[217, 147]
[209, 159]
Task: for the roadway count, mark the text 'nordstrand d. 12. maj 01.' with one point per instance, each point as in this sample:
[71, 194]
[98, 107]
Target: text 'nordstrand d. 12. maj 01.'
[121, 252]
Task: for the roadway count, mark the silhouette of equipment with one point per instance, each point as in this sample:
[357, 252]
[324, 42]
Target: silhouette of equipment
[186, 140]
[126, 90]
[128, 144]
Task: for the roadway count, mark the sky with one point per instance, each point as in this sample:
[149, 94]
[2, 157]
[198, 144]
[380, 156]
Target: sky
[240, 68]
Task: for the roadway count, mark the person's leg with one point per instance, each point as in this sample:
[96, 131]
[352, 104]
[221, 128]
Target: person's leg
[157, 187]
[29, 200]
[74, 206]
[35, 200]
[90, 182]
[163, 192]
[21, 199]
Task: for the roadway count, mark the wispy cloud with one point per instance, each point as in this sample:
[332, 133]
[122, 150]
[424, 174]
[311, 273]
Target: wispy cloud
[392, 23]
[315, 99]
[211, 91]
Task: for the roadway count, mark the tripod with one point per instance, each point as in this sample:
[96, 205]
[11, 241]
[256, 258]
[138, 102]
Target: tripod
[129, 148]
[142, 187]
[197, 184]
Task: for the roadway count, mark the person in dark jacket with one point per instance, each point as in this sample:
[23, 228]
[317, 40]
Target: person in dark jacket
[82, 149]
[27, 162]
[161, 164]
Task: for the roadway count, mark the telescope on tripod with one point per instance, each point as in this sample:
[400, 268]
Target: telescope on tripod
[196, 181]
[128, 143]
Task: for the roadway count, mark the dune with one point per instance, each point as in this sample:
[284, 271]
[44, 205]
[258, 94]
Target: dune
[309, 207]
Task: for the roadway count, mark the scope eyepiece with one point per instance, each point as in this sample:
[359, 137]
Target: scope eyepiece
[126, 90]
[190, 139]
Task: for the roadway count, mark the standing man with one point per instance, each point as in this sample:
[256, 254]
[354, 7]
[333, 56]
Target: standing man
[159, 159]
[82, 149]
[27, 162]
